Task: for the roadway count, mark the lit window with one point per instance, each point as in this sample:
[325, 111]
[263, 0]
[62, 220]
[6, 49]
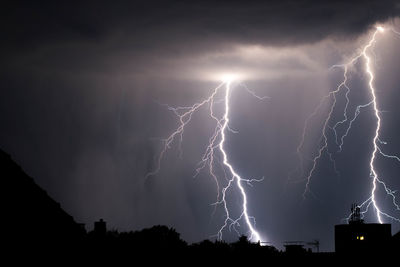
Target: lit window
[362, 237]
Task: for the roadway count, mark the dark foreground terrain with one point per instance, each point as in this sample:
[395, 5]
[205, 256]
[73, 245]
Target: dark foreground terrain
[37, 230]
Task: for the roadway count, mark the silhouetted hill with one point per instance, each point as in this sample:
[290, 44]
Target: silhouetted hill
[33, 220]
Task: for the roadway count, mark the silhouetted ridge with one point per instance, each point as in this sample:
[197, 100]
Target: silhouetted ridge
[32, 217]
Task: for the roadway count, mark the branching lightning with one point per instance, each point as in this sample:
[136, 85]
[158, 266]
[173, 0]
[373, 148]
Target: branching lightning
[215, 159]
[215, 156]
[376, 141]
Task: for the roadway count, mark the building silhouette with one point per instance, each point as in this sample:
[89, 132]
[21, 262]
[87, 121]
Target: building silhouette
[357, 236]
[294, 247]
[100, 228]
[395, 244]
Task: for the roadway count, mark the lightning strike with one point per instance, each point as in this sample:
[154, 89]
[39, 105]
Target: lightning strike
[215, 156]
[347, 120]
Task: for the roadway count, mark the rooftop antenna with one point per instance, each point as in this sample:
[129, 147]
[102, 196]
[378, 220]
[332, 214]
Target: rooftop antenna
[355, 217]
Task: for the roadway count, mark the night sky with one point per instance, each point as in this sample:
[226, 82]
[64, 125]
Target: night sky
[85, 87]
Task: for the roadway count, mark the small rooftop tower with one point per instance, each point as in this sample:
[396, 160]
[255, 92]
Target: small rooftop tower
[359, 237]
[355, 217]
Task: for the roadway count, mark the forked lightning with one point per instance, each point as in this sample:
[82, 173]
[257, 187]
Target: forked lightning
[215, 156]
[376, 180]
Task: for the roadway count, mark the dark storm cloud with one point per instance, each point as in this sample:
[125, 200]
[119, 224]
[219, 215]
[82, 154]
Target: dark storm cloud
[145, 36]
[100, 36]
[154, 23]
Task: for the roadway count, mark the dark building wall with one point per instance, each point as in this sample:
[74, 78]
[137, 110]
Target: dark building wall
[360, 237]
[395, 244]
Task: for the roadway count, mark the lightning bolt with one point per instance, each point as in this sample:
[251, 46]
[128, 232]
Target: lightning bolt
[323, 146]
[215, 156]
[324, 143]
[376, 141]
